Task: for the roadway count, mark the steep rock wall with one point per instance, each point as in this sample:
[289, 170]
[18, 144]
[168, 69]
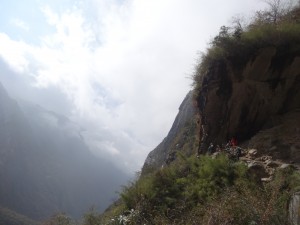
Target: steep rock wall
[257, 102]
[240, 101]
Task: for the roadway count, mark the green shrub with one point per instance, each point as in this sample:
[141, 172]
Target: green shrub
[176, 189]
[209, 177]
[91, 218]
[206, 190]
[259, 204]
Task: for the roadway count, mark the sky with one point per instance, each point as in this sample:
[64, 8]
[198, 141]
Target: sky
[118, 68]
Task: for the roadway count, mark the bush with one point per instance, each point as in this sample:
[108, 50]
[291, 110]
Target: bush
[206, 191]
[91, 218]
[209, 177]
[247, 204]
[174, 190]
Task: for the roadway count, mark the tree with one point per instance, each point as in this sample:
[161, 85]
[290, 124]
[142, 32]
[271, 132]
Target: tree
[221, 38]
[277, 9]
[238, 23]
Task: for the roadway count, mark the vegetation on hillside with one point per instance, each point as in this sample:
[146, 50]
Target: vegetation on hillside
[203, 190]
[279, 26]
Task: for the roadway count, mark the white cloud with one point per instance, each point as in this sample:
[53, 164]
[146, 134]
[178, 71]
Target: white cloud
[14, 53]
[20, 24]
[124, 66]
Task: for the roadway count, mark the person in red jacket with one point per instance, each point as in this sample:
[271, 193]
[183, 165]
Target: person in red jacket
[233, 142]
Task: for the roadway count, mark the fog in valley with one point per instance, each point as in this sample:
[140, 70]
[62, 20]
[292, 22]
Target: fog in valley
[88, 88]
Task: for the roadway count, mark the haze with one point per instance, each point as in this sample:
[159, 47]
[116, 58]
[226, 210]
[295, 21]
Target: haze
[117, 68]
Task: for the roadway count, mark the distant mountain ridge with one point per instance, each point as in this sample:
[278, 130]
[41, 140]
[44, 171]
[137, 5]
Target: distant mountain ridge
[9, 217]
[45, 165]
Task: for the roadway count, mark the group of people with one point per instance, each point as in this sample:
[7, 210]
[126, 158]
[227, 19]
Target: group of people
[231, 148]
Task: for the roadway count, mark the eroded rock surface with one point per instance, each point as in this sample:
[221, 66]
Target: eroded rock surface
[257, 101]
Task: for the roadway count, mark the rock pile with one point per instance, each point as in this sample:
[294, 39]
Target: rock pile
[262, 167]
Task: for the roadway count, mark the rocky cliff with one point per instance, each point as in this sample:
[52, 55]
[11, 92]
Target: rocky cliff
[246, 88]
[259, 103]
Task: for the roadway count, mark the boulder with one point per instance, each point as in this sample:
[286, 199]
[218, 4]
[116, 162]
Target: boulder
[252, 153]
[273, 164]
[266, 158]
[270, 171]
[257, 170]
[266, 179]
[294, 209]
[286, 165]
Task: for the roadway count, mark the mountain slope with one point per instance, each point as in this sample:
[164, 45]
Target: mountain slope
[182, 129]
[9, 217]
[45, 165]
[246, 86]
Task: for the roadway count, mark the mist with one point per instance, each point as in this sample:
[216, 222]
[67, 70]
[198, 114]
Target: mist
[110, 66]
[104, 78]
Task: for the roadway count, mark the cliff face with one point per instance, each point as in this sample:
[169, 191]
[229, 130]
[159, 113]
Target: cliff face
[246, 86]
[182, 129]
[259, 101]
